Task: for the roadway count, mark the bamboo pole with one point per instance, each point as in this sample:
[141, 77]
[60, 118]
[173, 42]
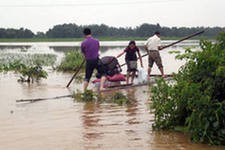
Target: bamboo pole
[76, 72]
[41, 99]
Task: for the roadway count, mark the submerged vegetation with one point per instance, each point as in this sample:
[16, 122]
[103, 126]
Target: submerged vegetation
[89, 95]
[29, 66]
[8, 61]
[71, 61]
[29, 73]
[195, 103]
[32, 73]
[120, 99]
[86, 96]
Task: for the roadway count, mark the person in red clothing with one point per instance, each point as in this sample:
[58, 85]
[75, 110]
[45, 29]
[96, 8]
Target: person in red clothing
[131, 59]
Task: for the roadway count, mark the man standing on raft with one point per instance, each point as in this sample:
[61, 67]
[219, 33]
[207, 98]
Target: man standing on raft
[90, 49]
[152, 46]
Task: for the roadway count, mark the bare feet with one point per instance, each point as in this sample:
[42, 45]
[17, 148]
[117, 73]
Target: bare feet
[163, 76]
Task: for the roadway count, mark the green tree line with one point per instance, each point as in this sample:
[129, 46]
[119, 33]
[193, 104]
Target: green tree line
[75, 31]
[16, 33]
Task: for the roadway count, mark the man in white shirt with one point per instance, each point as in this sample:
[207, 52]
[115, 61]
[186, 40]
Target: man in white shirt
[152, 46]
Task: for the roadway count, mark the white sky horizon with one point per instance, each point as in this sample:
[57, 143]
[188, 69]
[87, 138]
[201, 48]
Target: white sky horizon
[41, 15]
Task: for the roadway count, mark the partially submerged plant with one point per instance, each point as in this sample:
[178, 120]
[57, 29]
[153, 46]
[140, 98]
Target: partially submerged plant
[88, 95]
[28, 65]
[27, 58]
[72, 60]
[32, 73]
[120, 99]
[16, 65]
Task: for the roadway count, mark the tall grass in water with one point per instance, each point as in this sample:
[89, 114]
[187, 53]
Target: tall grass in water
[71, 61]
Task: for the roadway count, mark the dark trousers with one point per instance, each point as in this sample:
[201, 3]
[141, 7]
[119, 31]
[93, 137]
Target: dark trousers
[90, 66]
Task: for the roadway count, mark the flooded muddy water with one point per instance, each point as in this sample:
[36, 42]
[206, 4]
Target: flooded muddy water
[65, 124]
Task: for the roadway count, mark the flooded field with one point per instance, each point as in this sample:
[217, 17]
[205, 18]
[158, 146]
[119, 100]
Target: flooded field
[65, 124]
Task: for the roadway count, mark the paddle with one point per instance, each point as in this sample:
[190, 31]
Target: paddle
[76, 72]
[184, 38]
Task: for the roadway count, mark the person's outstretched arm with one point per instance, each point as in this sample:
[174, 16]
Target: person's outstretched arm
[120, 54]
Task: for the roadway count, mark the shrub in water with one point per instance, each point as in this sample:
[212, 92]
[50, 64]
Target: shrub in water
[32, 73]
[196, 101]
[29, 73]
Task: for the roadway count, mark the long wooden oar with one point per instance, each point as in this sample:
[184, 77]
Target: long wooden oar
[76, 72]
[184, 38]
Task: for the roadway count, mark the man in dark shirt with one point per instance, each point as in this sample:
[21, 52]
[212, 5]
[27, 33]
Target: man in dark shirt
[90, 49]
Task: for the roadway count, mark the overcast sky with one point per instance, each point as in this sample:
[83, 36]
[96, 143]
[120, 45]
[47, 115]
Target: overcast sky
[40, 15]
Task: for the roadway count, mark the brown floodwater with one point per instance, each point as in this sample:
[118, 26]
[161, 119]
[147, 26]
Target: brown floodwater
[65, 124]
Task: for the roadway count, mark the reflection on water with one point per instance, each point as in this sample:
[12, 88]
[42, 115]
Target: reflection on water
[66, 124]
[108, 126]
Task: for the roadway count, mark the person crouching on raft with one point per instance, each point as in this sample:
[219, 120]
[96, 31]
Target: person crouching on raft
[131, 59]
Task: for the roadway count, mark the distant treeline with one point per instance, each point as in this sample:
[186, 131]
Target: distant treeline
[75, 31]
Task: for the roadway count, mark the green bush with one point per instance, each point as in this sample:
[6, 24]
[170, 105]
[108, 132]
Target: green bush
[71, 61]
[29, 73]
[32, 73]
[195, 103]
